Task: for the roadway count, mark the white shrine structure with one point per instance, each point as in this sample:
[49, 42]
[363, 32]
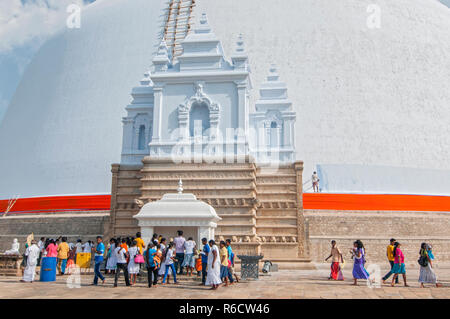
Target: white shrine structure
[178, 211]
[191, 119]
[198, 105]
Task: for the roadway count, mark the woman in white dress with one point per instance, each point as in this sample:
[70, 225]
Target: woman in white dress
[213, 275]
[427, 274]
[133, 268]
[111, 263]
[162, 269]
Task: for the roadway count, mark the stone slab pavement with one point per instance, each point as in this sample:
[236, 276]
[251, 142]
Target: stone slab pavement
[296, 284]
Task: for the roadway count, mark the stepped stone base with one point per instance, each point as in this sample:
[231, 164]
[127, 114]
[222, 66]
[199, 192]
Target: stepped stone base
[261, 208]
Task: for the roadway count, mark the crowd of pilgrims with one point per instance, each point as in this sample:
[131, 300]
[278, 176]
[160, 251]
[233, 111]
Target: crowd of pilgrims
[396, 260]
[161, 257]
[165, 258]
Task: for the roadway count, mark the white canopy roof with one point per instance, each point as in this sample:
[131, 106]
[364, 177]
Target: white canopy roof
[178, 210]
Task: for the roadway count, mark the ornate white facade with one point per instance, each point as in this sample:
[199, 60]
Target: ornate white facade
[197, 106]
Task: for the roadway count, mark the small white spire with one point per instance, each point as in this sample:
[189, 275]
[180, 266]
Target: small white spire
[240, 48]
[180, 187]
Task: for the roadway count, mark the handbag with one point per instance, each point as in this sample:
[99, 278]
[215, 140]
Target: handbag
[138, 258]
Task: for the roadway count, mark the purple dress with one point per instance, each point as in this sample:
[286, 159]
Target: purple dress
[359, 272]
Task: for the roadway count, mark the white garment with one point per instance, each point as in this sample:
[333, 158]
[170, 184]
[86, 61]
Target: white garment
[14, 248]
[120, 255]
[111, 264]
[169, 260]
[213, 275]
[133, 268]
[32, 254]
[79, 248]
[162, 270]
[189, 246]
[87, 248]
[315, 178]
[41, 245]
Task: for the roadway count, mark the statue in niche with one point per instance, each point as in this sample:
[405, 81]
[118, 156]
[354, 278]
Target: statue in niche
[14, 248]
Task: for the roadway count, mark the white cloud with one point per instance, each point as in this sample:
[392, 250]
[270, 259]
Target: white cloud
[22, 21]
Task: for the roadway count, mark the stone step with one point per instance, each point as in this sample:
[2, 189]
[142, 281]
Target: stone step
[278, 221]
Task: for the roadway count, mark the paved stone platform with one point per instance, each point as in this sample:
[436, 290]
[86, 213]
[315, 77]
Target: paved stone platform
[283, 284]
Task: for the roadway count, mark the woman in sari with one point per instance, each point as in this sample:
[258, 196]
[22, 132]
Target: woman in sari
[399, 264]
[111, 262]
[427, 274]
[213, 276]
[358, 255]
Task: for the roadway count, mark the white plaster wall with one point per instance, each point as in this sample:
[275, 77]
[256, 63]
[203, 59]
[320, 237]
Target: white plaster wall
[363, 96]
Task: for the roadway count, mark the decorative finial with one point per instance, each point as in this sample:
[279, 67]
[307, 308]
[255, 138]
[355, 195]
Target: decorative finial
[240, 44]
[180, 187]
[204, 19]
[273, 73]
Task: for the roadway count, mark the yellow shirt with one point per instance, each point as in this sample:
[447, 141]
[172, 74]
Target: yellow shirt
[63, 250]
[390, 252]
[140, 244]
[224, 253]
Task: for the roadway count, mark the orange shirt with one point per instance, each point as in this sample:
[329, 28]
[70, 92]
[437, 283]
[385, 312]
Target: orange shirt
[124, 246]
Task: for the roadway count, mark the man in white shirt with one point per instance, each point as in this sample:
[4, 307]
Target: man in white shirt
[121, 258]
[315, 182]
[189, 261]
[32, 254]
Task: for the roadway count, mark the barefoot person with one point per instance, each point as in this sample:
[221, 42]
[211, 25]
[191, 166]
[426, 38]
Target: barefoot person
[223, 253]
[213, 276]
[133, 268]
[399, 264]
[315, 182]
[170, 258]
[358, 255]
[98, 259]
[189, 261]
[32, 254]
[231, 271]
[390, 257]
[336, 259]
[427, 274]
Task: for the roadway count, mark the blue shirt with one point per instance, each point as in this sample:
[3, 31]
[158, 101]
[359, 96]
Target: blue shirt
[230, 253]
[99, 256]
[206, 250]
[151, 261]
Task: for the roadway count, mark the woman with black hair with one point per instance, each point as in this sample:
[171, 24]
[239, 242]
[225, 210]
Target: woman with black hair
[170, 258]
[399, 264]
[213, 275]
[358, 255]
[427, 274]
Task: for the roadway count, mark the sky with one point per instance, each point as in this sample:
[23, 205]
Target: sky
[24, 26]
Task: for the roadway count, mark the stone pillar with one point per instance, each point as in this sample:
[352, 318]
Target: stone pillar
[147, 233]
[301, 233]
[115, 176]
[204, 232]
[242, 107]
[157, 114]
[127, 144]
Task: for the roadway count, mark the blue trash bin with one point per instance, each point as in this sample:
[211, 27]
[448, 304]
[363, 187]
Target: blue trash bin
[48, 269]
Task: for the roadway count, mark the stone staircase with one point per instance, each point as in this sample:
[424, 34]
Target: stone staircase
[277, 216]
[179, 17]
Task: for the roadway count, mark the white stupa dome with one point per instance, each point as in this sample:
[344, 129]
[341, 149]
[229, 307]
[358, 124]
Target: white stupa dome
[363, 96]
